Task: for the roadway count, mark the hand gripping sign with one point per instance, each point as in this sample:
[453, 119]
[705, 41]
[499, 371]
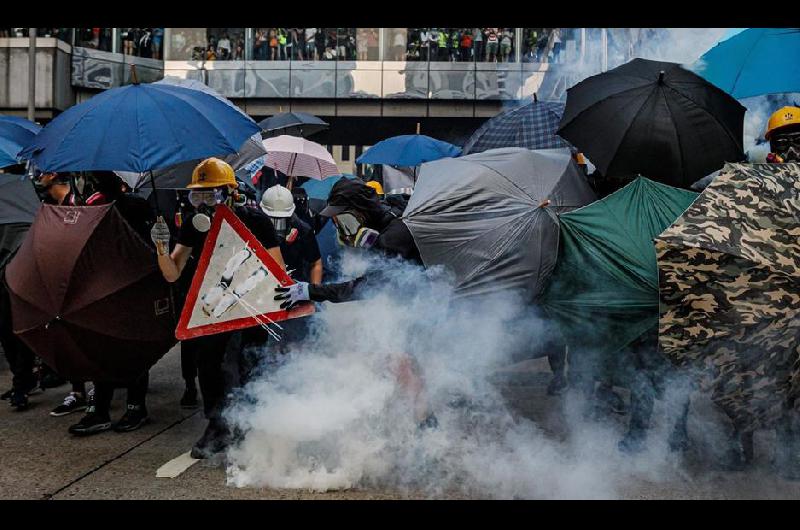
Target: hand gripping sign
[234, 286]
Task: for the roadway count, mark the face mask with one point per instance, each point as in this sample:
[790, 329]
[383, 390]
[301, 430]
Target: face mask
[351, 232]
[787, 146]
[201, 220]
[281, 225]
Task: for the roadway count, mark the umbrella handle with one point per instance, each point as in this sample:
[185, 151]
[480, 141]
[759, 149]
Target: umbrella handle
[155, 194]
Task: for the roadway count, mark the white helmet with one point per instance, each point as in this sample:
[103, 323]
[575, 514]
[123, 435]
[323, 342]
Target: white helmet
[278, 201]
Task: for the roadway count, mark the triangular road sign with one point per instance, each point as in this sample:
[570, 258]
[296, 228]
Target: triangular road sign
[234, 286]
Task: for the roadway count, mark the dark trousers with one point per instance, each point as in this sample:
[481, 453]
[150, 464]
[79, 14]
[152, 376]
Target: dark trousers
[20, 358]
[188, 365]
[104, 393]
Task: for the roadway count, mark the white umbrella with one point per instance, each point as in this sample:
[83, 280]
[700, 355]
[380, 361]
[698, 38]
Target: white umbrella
[297, 157]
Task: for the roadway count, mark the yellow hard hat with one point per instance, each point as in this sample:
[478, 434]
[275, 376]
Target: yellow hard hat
[781, 118]
[374, 184]
[212, 173]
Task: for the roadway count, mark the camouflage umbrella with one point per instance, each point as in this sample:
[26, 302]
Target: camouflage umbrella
[729, 282]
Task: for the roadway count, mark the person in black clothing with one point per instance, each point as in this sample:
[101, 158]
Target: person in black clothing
[361, 221]
[299, 249]
[213, 183]
[108, 188]
[57, 188]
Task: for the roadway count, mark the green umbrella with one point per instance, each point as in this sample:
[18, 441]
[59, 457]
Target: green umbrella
[604, 290]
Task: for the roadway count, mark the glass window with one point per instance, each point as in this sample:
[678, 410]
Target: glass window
[141, 42]
[96, 38]
[63, 34]
[494, 45]
[206, 44]
[367, 44]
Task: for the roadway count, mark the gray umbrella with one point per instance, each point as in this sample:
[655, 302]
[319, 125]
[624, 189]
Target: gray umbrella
[180, 175]
[491, 217]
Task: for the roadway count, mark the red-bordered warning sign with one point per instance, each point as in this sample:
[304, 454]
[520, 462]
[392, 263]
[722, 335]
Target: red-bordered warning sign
[234, 285]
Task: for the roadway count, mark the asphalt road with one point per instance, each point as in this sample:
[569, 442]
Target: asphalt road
[40, 460]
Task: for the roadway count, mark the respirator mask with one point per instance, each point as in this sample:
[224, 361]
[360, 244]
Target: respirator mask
[204, 202]
[351, 230]
[786, 146]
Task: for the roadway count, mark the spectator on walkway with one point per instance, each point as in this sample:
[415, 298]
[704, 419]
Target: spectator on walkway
[466, 45]
[506, 45]
[311, 49]
[492, 42]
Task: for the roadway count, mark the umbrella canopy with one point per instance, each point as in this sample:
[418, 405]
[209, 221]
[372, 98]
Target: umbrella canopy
[604, 290]
[140, 127]
[297, 157]
[753, 62]
[15, 133]
[729, 272]
[532, 126]
[292, 123]
[87, 295]
[408, 150]
[180, 175]
[491, 217]
[655, 119]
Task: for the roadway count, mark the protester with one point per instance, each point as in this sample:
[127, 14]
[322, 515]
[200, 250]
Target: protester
[213, 183]
[783, 134]
[55, 188]
[136, 211]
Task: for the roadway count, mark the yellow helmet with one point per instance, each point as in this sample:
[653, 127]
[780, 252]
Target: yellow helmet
[374, 184]
[781, 118]
[212, 173]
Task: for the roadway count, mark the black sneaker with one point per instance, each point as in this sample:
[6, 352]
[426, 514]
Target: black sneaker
[7, 394]
[215, 439]
[19, 400]
[72, 403]
[134, 417]
[189, 399]
[92, 423]
[609, 400]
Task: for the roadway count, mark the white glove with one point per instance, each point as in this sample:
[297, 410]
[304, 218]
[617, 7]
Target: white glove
[293, 294]
[160, 236]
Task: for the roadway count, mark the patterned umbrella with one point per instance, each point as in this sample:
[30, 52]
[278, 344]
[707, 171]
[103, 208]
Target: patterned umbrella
[532, 126]
[729, 282]
[298, 157]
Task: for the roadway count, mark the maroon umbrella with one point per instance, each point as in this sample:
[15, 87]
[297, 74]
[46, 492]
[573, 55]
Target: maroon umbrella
[87, 295]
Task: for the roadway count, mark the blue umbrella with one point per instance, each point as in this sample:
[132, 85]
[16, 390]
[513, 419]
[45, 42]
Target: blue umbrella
[408, 150]
[140, 127]
[15, 133]
[754, 62]
[532, 126]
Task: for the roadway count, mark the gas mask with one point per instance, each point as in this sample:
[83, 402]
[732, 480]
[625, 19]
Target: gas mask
[786, 146]
[352, 232]
[204, 202]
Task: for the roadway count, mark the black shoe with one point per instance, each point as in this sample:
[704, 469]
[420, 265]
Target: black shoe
[7, 394]
[189, 399]
[72, 403]
[134, 417]
[633, 443]
[215, 439]
[19, 400]
[92, 423]
[611, 401]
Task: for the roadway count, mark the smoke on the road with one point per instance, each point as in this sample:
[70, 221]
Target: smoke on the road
[343, 410]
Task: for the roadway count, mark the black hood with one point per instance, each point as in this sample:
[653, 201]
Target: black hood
[353, 194]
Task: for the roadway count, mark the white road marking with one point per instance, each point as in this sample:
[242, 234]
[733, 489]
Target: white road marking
[176, 466]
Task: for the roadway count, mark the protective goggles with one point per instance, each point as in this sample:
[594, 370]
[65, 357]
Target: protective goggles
[207, 197]
[785, 140]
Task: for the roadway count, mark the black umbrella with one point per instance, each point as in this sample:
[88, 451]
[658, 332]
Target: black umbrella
[655, 119]
[292, 123]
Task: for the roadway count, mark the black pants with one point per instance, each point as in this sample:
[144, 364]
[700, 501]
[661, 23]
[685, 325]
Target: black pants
[104, 393]
[20, 358]
[219, 361]
[188, 365]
